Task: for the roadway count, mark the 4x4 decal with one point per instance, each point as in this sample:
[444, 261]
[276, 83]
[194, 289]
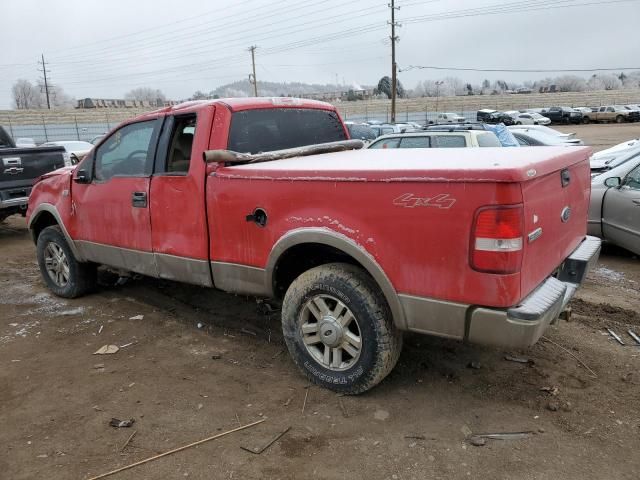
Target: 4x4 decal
[409, 200]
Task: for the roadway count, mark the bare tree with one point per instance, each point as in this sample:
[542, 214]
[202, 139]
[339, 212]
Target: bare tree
[145, 94]
[26, 95]
[570, 83]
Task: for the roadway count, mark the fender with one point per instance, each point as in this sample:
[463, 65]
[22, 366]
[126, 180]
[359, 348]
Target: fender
[49, 208]
[331, 238]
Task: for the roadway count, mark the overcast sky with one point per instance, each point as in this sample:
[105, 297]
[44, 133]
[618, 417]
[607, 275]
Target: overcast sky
[98, 48]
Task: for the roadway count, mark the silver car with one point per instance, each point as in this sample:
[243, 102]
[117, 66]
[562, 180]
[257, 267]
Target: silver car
[614, 212]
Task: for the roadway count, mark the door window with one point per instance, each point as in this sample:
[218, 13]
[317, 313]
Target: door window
[127, 152]
[633, 179]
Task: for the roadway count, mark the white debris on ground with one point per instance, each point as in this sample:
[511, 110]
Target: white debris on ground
[608, 274]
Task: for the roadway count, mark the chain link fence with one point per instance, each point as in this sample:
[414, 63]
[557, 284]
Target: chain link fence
[44, 126]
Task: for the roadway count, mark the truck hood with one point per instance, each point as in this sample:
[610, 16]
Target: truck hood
[415, 165]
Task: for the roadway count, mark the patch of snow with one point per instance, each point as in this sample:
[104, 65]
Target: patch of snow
[609, 274]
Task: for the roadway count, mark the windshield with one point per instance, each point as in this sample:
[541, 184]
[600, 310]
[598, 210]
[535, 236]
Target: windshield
[266, 130]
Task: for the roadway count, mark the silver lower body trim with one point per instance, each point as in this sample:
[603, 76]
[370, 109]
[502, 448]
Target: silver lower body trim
[157, 265]
[243, 279]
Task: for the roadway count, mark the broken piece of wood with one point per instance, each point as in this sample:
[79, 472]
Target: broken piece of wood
[128, 440]
[175, 450]
[258, 451]
[593, 374]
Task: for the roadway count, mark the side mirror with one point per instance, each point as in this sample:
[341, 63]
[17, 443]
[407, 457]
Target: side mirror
[613, 182]
[82, 177]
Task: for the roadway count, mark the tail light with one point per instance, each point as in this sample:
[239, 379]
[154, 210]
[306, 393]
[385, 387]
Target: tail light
[496, 241]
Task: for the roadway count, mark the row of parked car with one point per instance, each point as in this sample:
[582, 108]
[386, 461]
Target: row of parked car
[561, 115]
[547, 116]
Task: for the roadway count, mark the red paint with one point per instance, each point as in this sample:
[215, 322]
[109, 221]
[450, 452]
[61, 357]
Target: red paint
[417, 227]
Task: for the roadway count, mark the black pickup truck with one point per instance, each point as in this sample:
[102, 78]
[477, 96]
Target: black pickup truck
[19, 167]
[564, 115]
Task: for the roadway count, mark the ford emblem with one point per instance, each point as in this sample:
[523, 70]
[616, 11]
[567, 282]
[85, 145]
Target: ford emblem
[566, 214]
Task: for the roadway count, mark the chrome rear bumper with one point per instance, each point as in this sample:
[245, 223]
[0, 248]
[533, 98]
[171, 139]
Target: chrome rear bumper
[524, 324]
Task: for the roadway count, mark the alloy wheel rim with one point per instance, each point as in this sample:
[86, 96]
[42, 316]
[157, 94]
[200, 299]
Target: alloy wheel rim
[56, 264]
[330, 332]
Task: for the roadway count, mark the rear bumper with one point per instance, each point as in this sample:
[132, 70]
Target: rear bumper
[524, 324]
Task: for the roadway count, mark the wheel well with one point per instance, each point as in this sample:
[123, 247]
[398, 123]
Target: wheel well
[302, 257]
[44, 220]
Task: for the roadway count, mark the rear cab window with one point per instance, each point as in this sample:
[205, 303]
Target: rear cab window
[266, 130]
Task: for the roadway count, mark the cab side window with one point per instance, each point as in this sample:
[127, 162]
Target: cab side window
[181, 144]
[127, 152]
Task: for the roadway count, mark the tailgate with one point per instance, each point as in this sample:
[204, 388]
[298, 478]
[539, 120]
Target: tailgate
[19, 167]
[555, 211]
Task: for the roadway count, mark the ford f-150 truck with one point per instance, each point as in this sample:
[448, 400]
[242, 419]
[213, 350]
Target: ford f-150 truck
[19, 168]
[481, 245]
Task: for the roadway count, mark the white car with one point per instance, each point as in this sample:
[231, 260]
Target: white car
[75, 150]
[616, 149]
[548, 131]
[607, 162]
[438, 139]
[529, 137]
[530, 118]
[450, 117]
[25, 142]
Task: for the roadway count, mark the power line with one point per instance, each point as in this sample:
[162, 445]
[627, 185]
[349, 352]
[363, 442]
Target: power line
[517, 70]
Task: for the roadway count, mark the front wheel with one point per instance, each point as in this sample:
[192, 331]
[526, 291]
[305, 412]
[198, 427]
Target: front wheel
[619, 119]
[586, 120]
[338, 328]
[63, 274]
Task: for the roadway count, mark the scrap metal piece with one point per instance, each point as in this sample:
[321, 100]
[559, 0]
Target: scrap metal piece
[258, 451]
[615, 335]
[505, 436]
[634, 336]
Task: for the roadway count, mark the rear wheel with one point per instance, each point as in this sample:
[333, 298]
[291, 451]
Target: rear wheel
[619, 119]
[586, 120]
[518, 123]
[63, 274]
[338, 328]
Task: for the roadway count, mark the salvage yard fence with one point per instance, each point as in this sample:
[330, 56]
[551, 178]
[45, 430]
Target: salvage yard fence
[44, 126]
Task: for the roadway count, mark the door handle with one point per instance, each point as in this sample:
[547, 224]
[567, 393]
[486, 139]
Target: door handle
[139, 199]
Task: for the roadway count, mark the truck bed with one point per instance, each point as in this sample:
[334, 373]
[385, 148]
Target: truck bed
[411, 210]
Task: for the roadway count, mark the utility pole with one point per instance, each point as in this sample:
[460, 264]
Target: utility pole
[46, 84]
[394, 79]
[252, 77]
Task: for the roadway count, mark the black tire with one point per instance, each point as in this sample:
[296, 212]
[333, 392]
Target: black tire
[619, 119]
[518, 123]
[380, 341]
[586, 120]
[80, 277]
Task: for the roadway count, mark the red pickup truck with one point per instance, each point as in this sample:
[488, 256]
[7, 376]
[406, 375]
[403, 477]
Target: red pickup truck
[482, 245]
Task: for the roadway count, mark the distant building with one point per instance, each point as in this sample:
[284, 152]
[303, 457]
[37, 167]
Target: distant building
[87, 103]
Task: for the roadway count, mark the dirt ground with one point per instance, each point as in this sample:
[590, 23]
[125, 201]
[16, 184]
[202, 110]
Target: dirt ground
[201, 362]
